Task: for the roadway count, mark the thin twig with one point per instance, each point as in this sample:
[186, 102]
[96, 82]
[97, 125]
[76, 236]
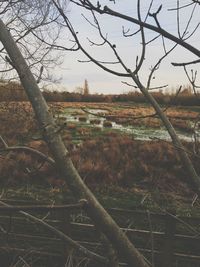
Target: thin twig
[64, 237]
[42, 207]
[29, 150]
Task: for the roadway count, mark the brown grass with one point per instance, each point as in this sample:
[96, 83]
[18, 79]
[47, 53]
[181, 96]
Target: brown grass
[17, 121]
[182, 125]
[121, 161]
[111, 160]
[108, 160]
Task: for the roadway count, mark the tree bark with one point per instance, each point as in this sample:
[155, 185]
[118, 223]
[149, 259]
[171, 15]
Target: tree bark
[62, 158]
[186, 162]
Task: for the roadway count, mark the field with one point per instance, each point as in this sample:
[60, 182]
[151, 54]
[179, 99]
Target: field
[116, 148]
[122, 152]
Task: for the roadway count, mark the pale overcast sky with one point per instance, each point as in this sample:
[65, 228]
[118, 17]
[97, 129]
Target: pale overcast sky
[74, 73]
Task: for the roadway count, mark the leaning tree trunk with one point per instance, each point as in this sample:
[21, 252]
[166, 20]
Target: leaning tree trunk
[62, 158]
[194, 178]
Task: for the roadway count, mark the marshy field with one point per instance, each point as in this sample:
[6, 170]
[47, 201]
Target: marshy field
[117, 148]
[125, 156]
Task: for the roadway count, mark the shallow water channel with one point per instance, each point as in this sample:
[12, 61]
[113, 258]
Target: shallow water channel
[139, 133]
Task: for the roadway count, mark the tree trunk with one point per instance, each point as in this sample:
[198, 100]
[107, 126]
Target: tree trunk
[62, 157]
[186, 162]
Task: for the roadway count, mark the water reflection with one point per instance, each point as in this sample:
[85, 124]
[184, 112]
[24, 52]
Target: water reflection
[139, 133]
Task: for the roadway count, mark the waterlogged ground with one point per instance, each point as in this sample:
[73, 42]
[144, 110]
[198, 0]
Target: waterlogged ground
[97, 117]
[97, 135]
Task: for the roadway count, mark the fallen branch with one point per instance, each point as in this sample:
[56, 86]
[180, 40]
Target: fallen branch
[41, 207]
[25, 149]
[63, 237]
[29, 150]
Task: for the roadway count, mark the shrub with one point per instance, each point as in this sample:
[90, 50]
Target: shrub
[82, 119]
[95, 121]
[107, 124]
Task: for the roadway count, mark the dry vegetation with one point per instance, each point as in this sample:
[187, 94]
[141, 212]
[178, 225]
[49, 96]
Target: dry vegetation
[141, 115]
[121, 161]
[17, 121]
[108, 159]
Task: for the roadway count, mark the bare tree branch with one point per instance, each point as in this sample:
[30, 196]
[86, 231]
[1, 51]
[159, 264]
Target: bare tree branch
[186, 63]
[61, 155]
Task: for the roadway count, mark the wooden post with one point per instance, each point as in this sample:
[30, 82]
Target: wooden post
[170, 230]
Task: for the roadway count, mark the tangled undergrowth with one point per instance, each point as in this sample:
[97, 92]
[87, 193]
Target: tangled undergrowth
[17, 121]
[125, 162]
[111, 160]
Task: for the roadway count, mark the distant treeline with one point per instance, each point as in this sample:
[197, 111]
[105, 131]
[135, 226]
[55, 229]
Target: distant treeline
[14, 92]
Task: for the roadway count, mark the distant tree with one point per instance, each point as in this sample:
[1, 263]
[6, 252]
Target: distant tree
[86, 88]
